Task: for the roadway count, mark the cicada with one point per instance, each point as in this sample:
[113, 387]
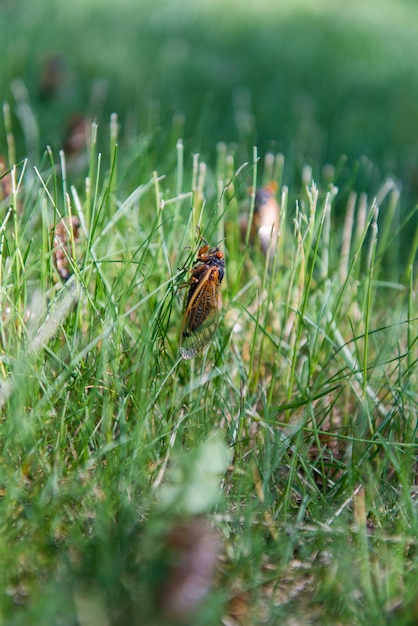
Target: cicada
[66, 233]
[200, 313]
[265, 222]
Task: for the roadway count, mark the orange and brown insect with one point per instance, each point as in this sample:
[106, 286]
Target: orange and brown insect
[265, 222]
[66, 232]
[200, 318]
[5, 180]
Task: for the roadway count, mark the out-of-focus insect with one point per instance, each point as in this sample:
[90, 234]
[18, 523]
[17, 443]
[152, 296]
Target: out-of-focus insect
[265, 223]
[187, 566]
[76, 135]
[66, 231]
[5, 180]
[53, 77]
[200, 316]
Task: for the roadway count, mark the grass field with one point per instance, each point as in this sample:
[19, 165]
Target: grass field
[272, 478]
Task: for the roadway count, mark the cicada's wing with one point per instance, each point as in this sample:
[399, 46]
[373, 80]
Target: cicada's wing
[200, 318]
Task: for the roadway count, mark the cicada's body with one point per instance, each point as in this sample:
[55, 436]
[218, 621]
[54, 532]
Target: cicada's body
[200, 317]
[66, 234]
[265, 223]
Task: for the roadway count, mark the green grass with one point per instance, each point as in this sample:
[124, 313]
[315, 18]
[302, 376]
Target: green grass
[286, 452]
[106, 434]
[311, 80]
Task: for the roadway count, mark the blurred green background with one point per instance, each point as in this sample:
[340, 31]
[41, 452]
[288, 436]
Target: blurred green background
[314, 79]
